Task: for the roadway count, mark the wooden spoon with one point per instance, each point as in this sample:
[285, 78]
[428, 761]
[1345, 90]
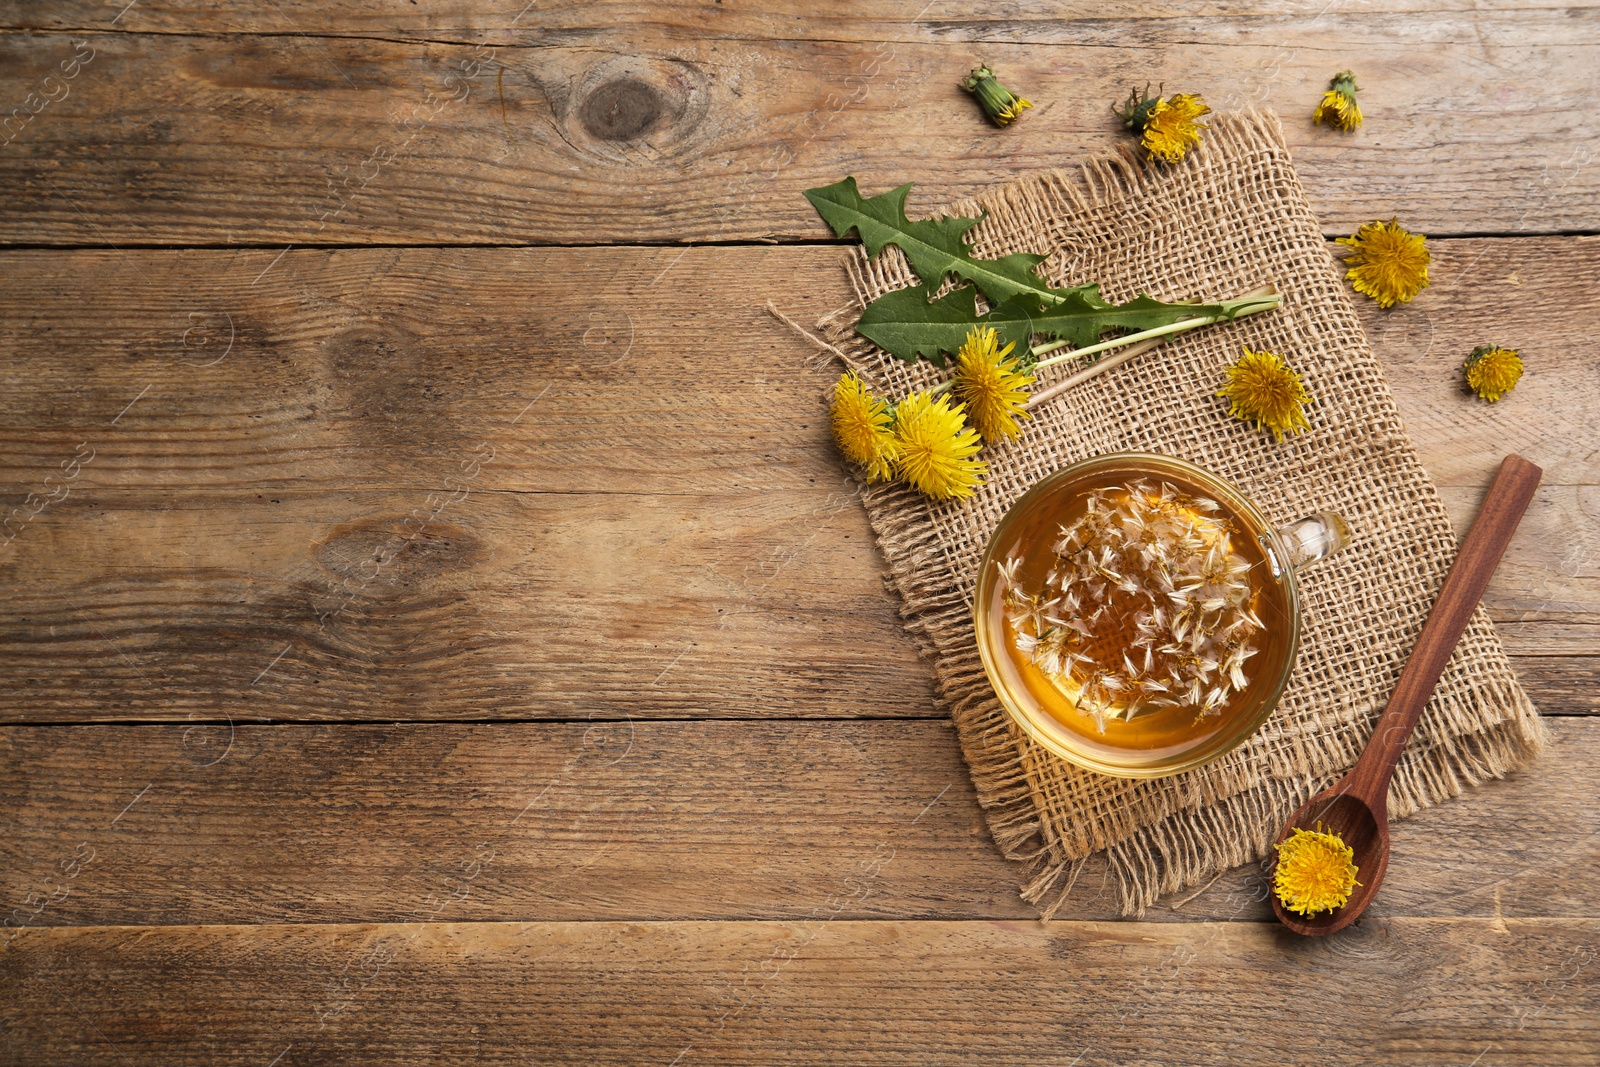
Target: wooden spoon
[1356, 806]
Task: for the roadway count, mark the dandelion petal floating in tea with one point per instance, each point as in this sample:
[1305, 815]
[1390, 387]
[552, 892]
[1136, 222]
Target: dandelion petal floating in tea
[1145, 608]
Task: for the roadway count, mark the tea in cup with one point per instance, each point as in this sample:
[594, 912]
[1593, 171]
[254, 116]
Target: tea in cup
[1138, 616]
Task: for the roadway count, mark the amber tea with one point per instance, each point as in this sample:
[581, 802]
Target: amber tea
[1144, 609]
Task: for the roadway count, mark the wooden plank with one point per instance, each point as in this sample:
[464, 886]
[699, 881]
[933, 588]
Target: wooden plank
[1393, 992]
[376, 606]
[339, 465]
[207, 824]
[677, 125]
[1559, 685]
[653, 370]
[500, 605]
[464, 22]
[648, 370]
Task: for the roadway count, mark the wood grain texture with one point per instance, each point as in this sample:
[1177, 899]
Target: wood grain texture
[692, 123]
[813, 992]
[465, 22]
[207, 824]
[649, 371]
[333, 459]
[652, 370]
[285, 605]
[503, 605]
[1559, 684]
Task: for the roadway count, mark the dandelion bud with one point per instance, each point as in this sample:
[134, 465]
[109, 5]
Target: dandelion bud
[1338, 108]
[999, 103]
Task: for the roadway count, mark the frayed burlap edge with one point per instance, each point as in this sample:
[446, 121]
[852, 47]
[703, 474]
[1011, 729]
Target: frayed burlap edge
[1235, 809]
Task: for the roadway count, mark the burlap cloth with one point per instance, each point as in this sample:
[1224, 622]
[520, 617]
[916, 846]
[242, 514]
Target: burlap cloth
[1230, 218]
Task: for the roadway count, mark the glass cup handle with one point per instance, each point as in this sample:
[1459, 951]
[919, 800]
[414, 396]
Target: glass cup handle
[1314, 537]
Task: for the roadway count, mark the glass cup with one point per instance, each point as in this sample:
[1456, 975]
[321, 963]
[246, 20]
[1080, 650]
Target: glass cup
[1157, 736]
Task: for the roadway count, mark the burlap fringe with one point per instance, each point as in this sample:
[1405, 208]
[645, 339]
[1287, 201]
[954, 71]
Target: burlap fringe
[1199, 824]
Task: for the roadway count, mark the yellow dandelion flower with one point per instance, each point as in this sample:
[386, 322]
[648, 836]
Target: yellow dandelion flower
[1172, 129]
[991, 384]
[937, 446]
[1389, 263]
[1493, 371]
[1001, 104]
[1166, 126]
[1316, 872]
[864, 427]
[1338, 108]
[1261, 388]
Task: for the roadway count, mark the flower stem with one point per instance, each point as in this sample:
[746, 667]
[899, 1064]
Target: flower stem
[1249, 304]
[1264, 299]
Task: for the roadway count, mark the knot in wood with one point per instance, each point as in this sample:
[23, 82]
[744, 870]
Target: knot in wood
[622, 110]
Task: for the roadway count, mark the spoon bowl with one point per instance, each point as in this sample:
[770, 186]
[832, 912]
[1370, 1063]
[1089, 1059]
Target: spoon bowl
[1366, 832]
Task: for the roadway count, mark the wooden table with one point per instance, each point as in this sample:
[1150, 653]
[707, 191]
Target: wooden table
[438, 628]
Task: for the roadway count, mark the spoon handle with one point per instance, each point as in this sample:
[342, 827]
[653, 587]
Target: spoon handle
[1480, 553]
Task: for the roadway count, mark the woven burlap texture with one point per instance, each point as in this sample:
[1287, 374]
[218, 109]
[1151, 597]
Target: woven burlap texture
[1231, 217]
